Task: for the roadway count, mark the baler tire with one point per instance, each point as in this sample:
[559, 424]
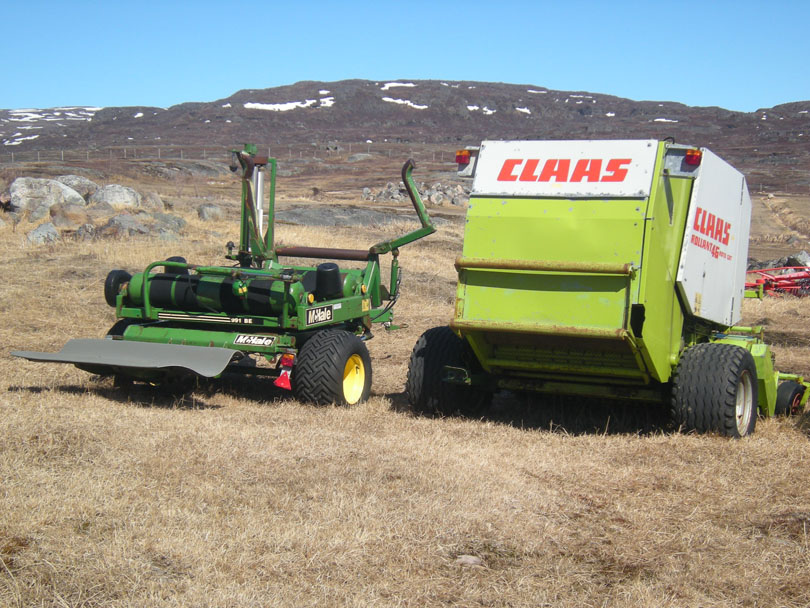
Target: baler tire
[714, 389]
[427, 392]
[112, 285]
[788, 398]
[333, 366]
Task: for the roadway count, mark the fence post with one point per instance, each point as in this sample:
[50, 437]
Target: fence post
[181, 154]
[12, 158]
[158, 152]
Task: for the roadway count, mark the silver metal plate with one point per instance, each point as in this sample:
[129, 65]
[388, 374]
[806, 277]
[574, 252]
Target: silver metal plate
[94, 355]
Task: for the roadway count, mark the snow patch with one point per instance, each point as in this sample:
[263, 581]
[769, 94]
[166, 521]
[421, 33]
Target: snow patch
[323, 92]
[488, 112]
[663, 120]
[327, 102]
[226, 105]
[803, 111]
[524, 110]
[406, 102]
[391, 85]
[610, 114]
[138, 115]
[17, 139]
[536, 92]
[280, 107]
[473, 108]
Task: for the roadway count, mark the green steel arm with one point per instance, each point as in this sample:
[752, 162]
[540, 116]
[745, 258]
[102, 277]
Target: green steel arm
[427, 226]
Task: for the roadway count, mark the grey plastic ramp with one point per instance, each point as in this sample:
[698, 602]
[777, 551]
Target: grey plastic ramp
[203, 360]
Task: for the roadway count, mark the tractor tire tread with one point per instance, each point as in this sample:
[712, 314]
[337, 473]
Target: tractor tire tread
[317, 375]
[705, 386]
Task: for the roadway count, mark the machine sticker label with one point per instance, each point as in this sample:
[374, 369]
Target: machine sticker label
[248, 340]
[175, 316]
[366, 306]
[716, 229]
[569, 169]
[322, 314]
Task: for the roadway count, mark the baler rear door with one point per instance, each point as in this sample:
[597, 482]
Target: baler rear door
[552, 254]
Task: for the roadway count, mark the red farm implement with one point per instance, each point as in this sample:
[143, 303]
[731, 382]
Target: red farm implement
[790, 280]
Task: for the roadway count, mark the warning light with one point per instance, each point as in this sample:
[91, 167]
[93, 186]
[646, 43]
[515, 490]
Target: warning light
[693, 157]
[287, 360]
[463, 157]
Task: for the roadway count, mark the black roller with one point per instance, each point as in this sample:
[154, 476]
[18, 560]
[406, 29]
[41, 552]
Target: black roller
[328, 283]
[173, 270]
[112, 285]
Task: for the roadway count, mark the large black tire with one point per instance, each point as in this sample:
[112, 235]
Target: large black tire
[427, 392]
[112, 285]
[788, 398]
[714, 389]
[333, 366]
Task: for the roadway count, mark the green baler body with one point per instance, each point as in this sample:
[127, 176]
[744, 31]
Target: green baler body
[579, 295]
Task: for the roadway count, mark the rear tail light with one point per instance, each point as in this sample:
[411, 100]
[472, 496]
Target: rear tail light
[287, 360]
[693, 157]
[463, 157]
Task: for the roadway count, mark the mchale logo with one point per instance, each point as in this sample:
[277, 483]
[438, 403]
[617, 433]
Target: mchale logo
[712, 226]
[319, 315]
[245, 339]
[559, 170]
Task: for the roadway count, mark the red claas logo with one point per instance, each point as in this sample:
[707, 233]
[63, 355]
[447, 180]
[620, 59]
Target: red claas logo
[712, 226]
[559, 170]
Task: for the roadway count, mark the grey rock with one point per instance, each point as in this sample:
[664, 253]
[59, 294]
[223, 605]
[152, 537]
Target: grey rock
[168, 223]
[85, 187]
[367, 196]
[117, 196]
[437, 198]
[799, 259]
[358, 157]
[69, 215]
[46, 233]
[470, 560]
[152, 200]
[100, 210]
[86, 232]
[34, 196]
[210, 212]
[123, 225]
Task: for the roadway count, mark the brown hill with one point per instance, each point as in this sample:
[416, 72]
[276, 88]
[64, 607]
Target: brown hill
[770, 145]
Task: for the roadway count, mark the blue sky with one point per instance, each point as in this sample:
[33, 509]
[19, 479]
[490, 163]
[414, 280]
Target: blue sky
[739, 55]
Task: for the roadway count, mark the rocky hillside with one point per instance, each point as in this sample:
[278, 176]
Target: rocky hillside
[770, 145]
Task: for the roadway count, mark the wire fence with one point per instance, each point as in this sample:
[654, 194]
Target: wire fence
[336, 150]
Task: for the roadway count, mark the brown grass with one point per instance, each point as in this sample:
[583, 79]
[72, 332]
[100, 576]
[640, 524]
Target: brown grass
[237, 495]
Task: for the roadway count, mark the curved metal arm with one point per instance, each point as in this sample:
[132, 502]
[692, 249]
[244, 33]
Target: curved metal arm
[427, 226]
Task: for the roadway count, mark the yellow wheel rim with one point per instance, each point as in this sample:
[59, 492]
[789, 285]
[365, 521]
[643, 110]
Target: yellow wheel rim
[354, 379]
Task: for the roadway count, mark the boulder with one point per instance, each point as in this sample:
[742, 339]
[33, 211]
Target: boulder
[86, 232]
[166, 222]
[117, 196]
[34, 196]
[358, 157]
[210, 212]
[46, 233]
[123, 225]
[98, 211]
[85, 187]
[151, 200]
[799, 259]
[69, 215]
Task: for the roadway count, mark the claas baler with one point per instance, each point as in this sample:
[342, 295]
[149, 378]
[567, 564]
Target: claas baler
[305, 325]
[609, 270]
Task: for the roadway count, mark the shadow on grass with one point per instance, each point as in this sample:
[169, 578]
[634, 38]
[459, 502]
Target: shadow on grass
[143, 395]
[567, 415]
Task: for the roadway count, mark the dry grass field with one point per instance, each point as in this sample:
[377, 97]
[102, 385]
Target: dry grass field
[236, 495]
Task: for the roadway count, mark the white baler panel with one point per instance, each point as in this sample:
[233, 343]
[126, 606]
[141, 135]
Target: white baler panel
[570, 169]
[711, 273]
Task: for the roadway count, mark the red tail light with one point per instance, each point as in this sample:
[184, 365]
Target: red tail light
[693, 157]
[287, 360]
[463, 157]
